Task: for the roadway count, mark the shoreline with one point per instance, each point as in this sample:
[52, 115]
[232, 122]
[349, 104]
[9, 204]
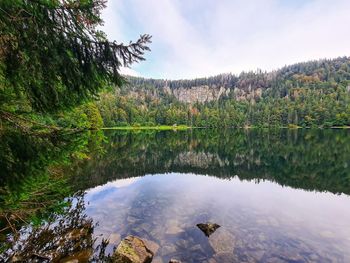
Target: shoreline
[184, 127]
[160, 128]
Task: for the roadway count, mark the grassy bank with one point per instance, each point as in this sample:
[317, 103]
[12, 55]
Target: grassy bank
[160, 128]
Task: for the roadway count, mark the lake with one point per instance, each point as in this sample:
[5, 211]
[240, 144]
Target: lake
[278, 196]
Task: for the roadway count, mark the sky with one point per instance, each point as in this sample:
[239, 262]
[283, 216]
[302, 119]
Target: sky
[200, 38]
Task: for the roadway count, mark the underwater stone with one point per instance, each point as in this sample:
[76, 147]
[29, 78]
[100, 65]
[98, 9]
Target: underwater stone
[132, 250]
[81, 256]
[173, 230]
[153, 246]
[114, 238]
[222, 241]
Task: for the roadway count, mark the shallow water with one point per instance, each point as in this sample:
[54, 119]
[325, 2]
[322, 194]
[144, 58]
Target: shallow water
[279, 196]
[240, 181]
[259, 222]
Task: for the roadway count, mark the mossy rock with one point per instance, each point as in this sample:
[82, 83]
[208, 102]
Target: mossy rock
[132, 250]
[208, 228]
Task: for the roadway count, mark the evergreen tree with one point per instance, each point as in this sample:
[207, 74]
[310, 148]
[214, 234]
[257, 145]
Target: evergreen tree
[53, 56]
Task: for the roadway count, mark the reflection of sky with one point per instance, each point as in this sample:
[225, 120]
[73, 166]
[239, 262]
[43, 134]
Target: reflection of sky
[188, 199]
[102, 190]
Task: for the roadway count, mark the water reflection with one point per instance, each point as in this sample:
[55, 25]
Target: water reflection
[264, 222]
[34, 185]
[64, 237]
[174, 181]
[279, 196]
[316, 160]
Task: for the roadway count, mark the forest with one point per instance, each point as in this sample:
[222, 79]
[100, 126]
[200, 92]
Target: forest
[310, 94]
[59, 76]
[80, 86]
[54, 61]
[60, 84]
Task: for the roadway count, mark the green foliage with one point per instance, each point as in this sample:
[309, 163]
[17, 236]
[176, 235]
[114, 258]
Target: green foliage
[312, 94]
[54, 60]
[33, 173]
[53, 56]
[85, 116]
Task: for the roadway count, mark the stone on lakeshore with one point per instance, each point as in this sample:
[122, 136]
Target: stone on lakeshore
[208, 228]
[132, 250]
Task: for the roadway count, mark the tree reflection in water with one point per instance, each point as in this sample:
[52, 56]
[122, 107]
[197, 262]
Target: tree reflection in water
[64, 237]
[39, 176]
[39, 218]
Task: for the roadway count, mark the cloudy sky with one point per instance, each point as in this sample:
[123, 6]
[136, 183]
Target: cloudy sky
[196, 38]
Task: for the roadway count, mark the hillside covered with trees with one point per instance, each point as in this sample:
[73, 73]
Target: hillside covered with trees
[315, 93]
[54, 61]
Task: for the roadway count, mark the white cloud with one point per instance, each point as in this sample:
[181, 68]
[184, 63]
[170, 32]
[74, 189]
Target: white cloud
[208, 37]
[114, 184]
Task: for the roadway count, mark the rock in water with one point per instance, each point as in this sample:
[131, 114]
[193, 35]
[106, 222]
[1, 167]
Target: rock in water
[223, 242]
[174, 261]
[208, 228]
[81, 256]
[132, 250]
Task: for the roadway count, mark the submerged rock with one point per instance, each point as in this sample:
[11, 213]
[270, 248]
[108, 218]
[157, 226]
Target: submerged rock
[208, 228]
[153, 246]
[114, 238]
[224, 257]
[132, 250]
[81, 256]
[173, 228]
[222, 242]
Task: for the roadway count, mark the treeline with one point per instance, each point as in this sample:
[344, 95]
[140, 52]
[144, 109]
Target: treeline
[325, 70]
[315, 160]
[315, 93]
[54, 61]
[225, 80]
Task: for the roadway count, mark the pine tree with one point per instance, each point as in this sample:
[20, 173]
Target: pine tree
[52, 55]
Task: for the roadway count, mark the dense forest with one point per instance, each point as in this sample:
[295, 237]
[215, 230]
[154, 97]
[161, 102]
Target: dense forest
[310, 94]
[60, 80]
[80, 86]
[54, 61]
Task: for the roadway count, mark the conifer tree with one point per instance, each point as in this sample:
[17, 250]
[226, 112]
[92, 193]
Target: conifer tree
[53, 55]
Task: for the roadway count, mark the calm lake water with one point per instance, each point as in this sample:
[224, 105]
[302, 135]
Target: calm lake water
[279, 196]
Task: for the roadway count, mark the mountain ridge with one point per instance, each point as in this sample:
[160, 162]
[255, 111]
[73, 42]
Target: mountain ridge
[315, 93]
[247, 85]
